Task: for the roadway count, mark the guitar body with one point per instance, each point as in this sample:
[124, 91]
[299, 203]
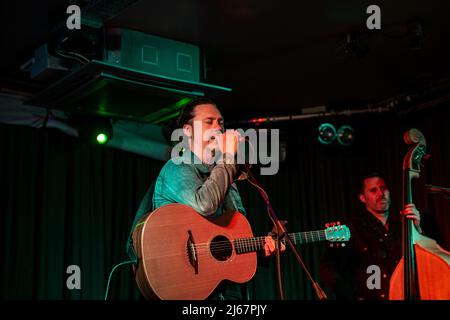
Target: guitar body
[175, 256]
[433, 266]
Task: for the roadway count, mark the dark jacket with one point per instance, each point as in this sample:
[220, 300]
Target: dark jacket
[362, 269]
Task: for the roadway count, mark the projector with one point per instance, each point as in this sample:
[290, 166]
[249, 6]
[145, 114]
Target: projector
[152, 54]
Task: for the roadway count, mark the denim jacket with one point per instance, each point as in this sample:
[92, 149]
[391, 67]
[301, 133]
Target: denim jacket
[209, 189]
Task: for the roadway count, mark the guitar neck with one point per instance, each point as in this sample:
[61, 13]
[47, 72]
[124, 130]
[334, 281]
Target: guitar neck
[245, 245]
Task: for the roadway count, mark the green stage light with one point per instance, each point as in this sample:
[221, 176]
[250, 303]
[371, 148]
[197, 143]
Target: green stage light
[327, 133]
[92, 129]
[102, 138]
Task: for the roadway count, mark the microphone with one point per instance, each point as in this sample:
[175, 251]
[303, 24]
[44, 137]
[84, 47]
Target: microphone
[245, 153]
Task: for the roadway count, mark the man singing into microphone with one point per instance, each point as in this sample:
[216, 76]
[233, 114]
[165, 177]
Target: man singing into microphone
[203, 176]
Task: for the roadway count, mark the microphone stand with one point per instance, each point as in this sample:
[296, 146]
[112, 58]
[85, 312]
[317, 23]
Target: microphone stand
[282, 232]
[438, 189]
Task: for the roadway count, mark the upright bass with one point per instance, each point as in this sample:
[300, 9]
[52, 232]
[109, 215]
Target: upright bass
[423, 272]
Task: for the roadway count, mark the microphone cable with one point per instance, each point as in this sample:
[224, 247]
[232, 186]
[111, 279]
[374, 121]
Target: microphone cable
[134, 261]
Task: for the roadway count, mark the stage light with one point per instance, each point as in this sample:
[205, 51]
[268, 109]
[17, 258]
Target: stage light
[92, 129]
[102, 138]
[327, 133]
[102, 131]
[346, 135]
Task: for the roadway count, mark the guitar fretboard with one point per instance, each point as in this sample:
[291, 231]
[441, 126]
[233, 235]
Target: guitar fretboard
[245, 245]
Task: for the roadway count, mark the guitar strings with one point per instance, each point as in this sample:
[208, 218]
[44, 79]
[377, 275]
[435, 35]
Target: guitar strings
[245, 245]
[259, 241]
[241, 245]
[310, 236]
[320, 235]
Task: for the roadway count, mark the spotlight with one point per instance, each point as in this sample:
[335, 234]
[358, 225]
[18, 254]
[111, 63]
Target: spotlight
[93, 129]
[327, 133]
[102, 131]
[346, 135]
[102, 138]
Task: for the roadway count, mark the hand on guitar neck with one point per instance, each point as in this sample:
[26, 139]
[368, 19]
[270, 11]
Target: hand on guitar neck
[270, 245]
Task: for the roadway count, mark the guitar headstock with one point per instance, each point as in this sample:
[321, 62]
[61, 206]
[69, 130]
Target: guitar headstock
[337, 233]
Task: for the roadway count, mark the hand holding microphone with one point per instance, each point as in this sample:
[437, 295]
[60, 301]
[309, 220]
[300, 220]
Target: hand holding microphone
[228, 142]
[235, 149]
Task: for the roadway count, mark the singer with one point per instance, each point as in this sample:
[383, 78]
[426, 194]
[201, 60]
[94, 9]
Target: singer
[207, 186]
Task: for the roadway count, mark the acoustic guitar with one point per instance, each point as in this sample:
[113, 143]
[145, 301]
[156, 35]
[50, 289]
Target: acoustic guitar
[184, 256]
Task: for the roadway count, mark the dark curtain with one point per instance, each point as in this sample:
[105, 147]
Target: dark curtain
[66, 203]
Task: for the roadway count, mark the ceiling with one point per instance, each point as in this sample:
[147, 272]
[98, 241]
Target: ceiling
[278, 57]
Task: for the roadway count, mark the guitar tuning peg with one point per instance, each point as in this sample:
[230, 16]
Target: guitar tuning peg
[333, 224]
[331, 245]
[338, 223]
[327, 225]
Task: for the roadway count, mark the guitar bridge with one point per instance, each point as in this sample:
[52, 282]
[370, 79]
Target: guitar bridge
[192, 252]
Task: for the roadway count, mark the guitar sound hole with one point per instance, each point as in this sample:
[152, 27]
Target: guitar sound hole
[221, 248]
